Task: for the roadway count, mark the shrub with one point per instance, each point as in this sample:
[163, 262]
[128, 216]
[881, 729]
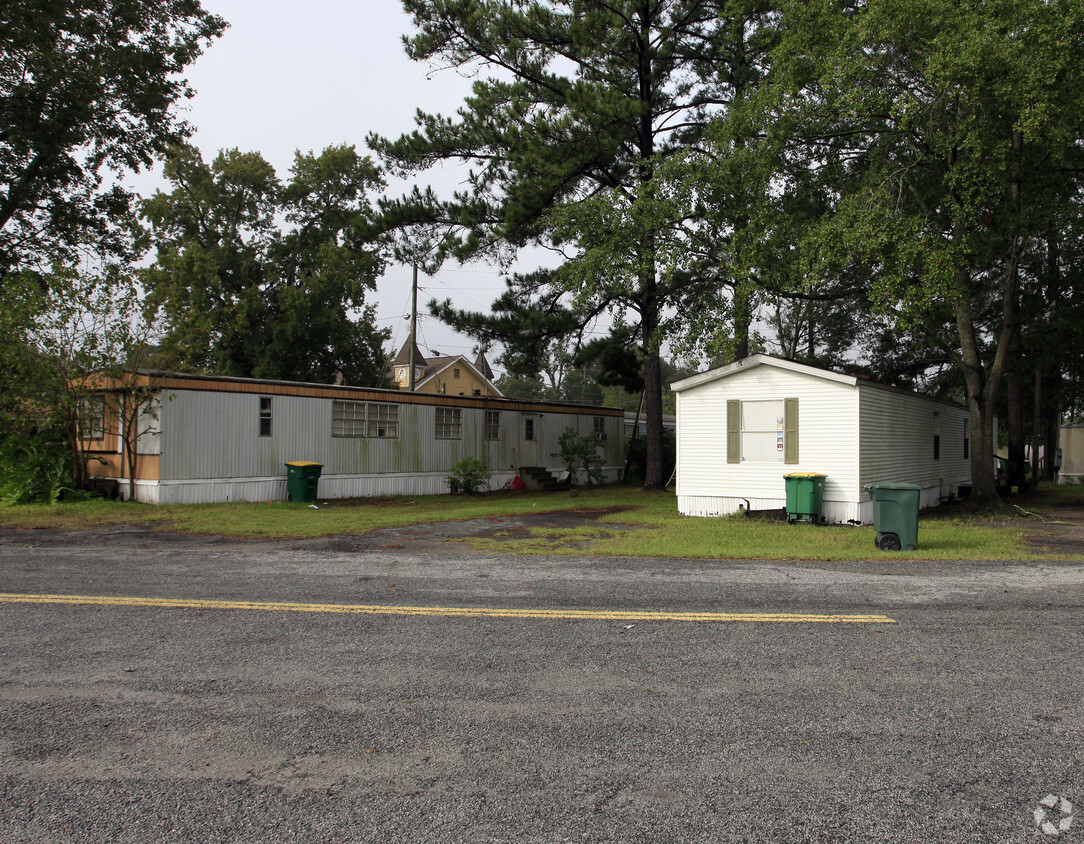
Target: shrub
[34, 469]
[580, 453]
[468, 475]
[636, 449]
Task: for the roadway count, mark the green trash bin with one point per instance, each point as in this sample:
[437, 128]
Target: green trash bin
[895, 515]
[302, 479]
[805, 497]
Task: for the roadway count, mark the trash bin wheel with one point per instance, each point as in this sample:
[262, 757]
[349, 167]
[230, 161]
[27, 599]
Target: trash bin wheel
[889, 542]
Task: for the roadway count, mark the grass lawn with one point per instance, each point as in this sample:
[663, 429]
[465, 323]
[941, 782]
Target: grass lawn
[950, 532]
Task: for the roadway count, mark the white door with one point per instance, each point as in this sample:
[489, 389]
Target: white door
[530, 434]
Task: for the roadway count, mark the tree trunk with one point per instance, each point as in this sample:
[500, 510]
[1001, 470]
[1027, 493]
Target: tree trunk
[654, 473]
[79, 466]
[1037, 425]
[1052, 431]
[983, 479]
[1014, 395]
[743, 319]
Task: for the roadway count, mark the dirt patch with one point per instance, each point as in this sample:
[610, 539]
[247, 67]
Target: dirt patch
[1058, 531]
[430, 535]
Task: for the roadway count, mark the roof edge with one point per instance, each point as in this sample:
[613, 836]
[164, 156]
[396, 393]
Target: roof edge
[752, 362]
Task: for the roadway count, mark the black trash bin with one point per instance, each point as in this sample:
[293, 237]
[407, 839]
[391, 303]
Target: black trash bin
[302, 480]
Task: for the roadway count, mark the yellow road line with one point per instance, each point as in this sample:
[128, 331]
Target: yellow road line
[462, 612]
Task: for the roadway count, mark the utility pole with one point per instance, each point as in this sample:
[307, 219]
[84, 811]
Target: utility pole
[413, 328]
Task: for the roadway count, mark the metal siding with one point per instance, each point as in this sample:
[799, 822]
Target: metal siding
[212, 451]
[827, 438]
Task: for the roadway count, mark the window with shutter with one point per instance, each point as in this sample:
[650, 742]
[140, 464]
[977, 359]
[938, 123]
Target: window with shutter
[762, 431]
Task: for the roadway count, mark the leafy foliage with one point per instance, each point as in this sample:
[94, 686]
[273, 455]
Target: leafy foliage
[575, 106]
[86, 87]
[637, 454]
[468, 475]
[268, 280]
[580, 454]
[63, 329]
[34, 469]
[941, 142]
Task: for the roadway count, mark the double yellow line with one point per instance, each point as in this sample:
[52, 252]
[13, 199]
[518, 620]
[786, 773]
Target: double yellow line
[458, 612]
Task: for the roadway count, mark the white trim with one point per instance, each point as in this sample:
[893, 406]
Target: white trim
[754, 361]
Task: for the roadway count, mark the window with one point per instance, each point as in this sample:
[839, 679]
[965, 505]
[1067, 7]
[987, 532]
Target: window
[383, 420]
[967, 438]
[600, 427]
[528, 430]
[92, 418]
[361, 419]
[762, 431]
[265, 416]
[936, 446]
[449, 423]
[455, 373]
[493, 425]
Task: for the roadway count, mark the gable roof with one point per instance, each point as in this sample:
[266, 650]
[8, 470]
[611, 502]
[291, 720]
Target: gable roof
[444, 364]
[752, 362]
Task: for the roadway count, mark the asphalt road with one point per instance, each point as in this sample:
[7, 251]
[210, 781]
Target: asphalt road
[947, 720]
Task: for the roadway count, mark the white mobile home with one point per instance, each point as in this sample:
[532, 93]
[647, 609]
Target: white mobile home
[741, 428]
[215, 439]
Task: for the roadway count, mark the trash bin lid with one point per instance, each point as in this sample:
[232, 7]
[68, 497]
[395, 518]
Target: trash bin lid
[303, 463]
[805, 475]
[892, 485]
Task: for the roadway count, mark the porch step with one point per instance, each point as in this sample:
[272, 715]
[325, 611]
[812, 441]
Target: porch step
[540, 480]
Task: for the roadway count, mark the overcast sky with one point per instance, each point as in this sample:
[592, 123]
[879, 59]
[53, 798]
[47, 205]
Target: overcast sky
[288, 76]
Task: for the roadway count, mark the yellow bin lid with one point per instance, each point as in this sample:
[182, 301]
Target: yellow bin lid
[805, 475]
[303, 463]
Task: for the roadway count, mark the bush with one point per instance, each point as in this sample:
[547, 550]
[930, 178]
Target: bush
[580, 453]
[34, 469]
[468, 475]
[637, 451]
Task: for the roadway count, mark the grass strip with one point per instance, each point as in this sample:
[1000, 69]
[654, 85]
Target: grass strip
[945, 533]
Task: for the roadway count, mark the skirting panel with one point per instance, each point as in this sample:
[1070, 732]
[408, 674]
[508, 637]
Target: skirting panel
[834, 512]
[224, 490]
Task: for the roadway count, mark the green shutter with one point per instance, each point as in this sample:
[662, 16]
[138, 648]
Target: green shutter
[733, 431]
[790, 430]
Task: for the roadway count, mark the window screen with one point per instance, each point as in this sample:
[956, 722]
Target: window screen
[265, 416]
[449, 423]
[762, 431]
[493, 424]
[361, 419]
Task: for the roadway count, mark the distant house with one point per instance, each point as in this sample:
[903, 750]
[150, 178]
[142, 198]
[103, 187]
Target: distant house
[211, 438]
[638, 422]
[1071, 448]
[443, 375]
[741, 428]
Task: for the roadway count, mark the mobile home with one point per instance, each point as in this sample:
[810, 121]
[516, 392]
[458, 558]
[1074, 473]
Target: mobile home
[208, 439]
[741, 428]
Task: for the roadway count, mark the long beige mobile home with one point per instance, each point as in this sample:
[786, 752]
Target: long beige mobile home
[211, 439]
[741, 428]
